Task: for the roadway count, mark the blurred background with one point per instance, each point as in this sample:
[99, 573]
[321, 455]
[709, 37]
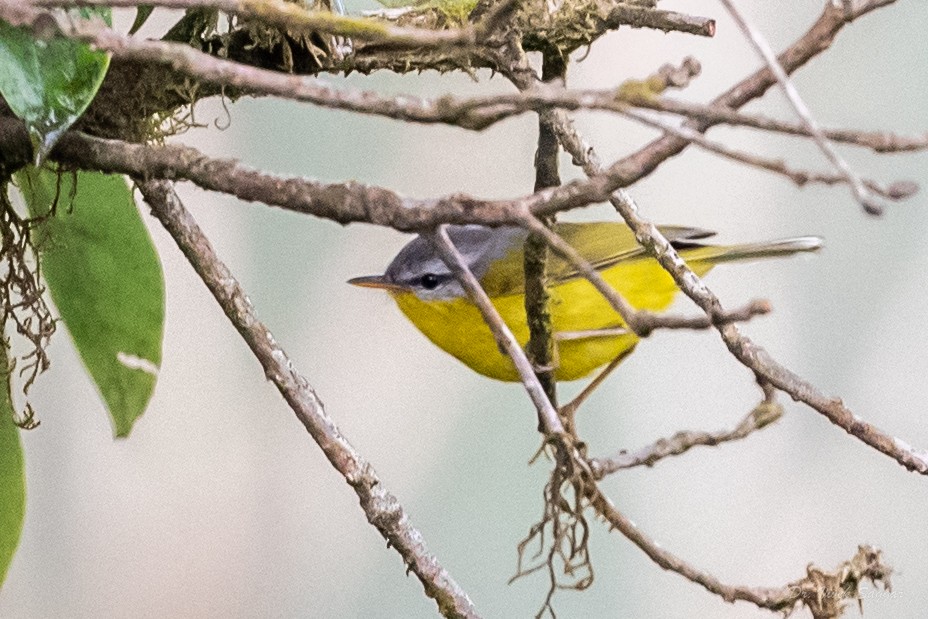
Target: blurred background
[220, 505]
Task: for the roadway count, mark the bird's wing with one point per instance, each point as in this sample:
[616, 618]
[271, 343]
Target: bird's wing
[605, 244]
[602, 244]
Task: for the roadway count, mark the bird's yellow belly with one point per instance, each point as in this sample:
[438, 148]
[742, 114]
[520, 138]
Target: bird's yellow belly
[457, 327]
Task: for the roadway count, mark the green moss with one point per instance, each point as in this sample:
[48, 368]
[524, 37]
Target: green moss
[453, 12]
[632, 90]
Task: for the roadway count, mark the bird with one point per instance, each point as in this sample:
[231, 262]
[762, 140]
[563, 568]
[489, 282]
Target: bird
[588, 332]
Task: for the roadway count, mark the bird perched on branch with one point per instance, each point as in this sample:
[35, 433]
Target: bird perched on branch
[588, 332]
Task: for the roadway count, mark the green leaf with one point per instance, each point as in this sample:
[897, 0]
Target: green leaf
[105, 279]
[12, 476]
[141, 16]
[50, 82]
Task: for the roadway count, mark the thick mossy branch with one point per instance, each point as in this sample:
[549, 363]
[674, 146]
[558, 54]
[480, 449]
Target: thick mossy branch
[540, 349]
[144, 101]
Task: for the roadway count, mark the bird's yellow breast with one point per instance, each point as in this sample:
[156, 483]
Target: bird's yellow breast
[457, 327]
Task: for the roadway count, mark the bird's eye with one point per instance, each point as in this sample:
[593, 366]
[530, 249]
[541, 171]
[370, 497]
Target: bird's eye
[429, 281]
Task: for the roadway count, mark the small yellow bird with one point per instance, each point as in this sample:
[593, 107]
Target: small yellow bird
[588, 331]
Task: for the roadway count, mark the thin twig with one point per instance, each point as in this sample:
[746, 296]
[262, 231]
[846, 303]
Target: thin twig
[877, 141]
[764, 414]
[813, 42]
[751, 355]
[342, 202]
[748, 353]
[381, 508]
[777, 166]
[548, 420]
[755, 357]
[870, 204]
[816, 590]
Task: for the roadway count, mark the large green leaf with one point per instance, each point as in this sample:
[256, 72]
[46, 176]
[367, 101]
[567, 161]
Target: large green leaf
[141, 16]
[12, 476]
[49, 83]
[105, 279]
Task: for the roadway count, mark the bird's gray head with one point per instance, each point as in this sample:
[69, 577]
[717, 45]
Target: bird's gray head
[419, 269]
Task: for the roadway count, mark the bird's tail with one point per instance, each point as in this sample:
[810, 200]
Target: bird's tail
[751, 251]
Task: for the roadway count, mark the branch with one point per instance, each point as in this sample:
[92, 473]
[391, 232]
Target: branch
[765, 413]
[748, 353]
[823, 592]
[473, 113]
[548, 421]
[293, 17]
[896, 191]
[566, 29]
[877, 141]
[666, 21]
[541, 345]
[381, 508]
[755, 357]
[555, 32]
[870, 204]
[342, 202]
[812, 43]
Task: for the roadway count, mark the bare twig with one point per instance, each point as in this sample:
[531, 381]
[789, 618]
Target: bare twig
[341, 202]
[755, 357]
[877, 141]
[548, 420]
[822, 592]
[751, 355]
[764, 414]
[812, 43]
[381, 508]
[777, 166]
[870, 204]
[748, 353]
